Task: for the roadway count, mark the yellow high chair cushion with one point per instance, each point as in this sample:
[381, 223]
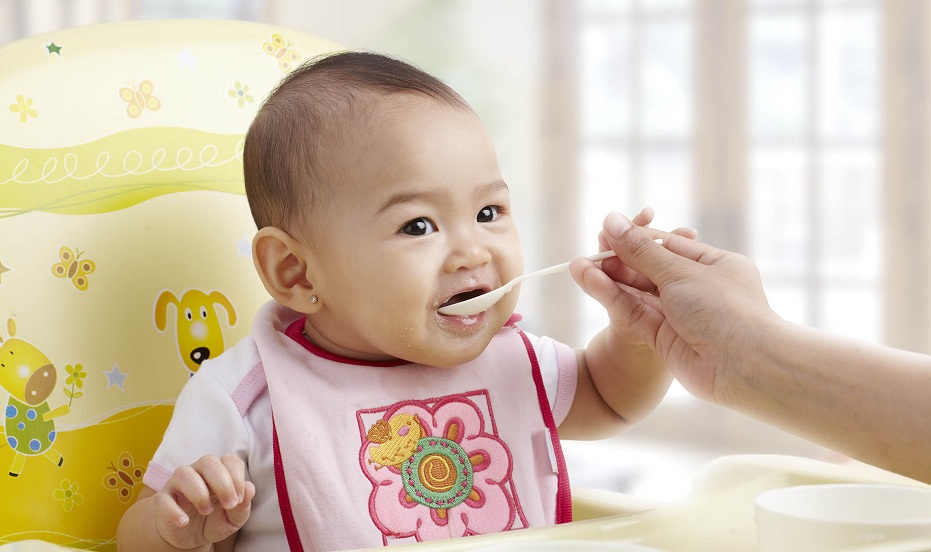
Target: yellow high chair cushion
[125, 250]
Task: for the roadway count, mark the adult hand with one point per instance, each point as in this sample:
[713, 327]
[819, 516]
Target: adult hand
[697, 306]
[704, 311]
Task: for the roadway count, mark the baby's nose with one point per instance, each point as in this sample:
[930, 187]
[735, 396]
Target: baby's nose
[469, 255]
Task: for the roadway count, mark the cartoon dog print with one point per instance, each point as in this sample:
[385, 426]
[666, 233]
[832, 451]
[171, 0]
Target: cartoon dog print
[199, 336]
[29, 377]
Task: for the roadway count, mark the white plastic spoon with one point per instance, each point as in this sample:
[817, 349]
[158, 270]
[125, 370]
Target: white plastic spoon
[481, 303]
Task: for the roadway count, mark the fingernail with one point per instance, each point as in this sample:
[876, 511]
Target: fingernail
[616, 224]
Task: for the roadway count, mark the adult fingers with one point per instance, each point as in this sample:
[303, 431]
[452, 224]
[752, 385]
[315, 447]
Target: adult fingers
[686, 232]
[620, 272]
[622, 305]
[644, 217]
[661, 264]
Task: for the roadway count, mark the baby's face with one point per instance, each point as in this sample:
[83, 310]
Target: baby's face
[421, 217]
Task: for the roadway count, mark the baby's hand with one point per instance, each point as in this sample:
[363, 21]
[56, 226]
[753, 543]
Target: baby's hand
[204, 503]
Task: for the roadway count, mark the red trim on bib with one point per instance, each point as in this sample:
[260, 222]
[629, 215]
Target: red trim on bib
[563, 491]
[296, 332]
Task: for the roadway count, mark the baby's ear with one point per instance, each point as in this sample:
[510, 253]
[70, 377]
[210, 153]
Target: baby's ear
[282, 266]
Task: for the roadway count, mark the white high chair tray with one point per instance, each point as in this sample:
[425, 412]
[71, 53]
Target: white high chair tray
[717, 516]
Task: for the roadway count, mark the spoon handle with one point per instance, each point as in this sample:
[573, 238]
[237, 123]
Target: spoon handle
[558, 268]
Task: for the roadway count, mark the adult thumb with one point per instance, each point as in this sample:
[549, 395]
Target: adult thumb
[637, 248]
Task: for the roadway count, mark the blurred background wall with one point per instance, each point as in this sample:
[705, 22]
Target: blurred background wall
[793, 131]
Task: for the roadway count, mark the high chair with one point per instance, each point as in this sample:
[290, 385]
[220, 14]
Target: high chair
[125, 252]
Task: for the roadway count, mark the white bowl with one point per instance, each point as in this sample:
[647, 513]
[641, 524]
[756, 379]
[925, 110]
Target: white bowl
[841, 516]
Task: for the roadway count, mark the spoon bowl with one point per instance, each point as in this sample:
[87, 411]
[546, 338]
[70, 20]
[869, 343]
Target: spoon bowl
[482, 302]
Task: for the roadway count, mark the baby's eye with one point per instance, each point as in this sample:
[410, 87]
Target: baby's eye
[418, 227]
[489, 213]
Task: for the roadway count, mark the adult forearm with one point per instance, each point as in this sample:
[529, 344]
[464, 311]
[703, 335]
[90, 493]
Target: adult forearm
[864, 400]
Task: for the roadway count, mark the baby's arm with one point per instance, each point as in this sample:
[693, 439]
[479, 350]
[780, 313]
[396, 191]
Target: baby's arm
[620, 379]
[619, 382]
[201, 507]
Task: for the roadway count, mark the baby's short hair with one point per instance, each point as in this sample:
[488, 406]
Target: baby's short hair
[285, 154]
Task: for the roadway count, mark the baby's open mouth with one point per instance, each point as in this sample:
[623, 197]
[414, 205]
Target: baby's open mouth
[460, 297]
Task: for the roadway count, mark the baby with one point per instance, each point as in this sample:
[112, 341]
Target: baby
[356, 415]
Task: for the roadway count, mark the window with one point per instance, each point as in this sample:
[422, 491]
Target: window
[22, 18]
[814, 161]
[214, 9]
[802, 195]
[759, 122]
[636, 125]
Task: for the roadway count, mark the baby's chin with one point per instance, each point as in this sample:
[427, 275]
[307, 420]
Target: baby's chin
[451, 354]
[452, 348]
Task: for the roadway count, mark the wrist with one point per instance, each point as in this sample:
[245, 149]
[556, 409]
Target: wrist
[755, 350]
[619, 334]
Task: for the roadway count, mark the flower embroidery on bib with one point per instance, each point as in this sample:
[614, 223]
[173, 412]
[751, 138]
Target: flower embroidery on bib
[438, 469]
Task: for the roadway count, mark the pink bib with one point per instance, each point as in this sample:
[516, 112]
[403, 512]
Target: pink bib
[371, 454]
